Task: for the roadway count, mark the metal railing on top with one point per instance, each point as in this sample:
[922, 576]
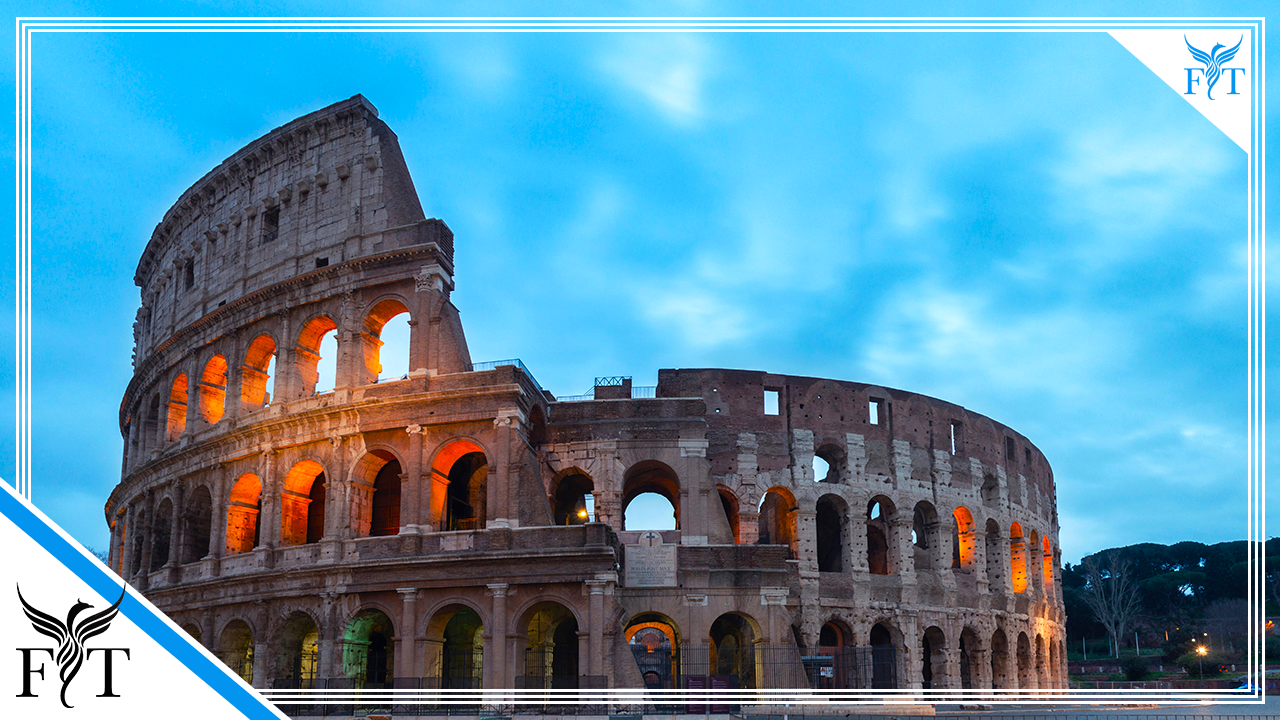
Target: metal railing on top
[491, 364]
[637, 391]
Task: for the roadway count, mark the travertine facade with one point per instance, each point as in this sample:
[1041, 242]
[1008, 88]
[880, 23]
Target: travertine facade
[462, 527]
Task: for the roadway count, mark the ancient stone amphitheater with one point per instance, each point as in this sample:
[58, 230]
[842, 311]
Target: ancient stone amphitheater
[461, 527]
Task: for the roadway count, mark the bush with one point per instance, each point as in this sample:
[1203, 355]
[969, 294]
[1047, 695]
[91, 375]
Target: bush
[1191, 662]
[1135, 668]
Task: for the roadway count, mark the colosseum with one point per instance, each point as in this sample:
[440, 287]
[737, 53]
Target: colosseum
[461, 527]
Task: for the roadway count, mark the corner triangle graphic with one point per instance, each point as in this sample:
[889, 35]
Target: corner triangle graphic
[161, 670]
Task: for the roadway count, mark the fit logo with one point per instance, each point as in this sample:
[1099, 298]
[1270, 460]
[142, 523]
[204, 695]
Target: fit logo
[71, 654]
[1212, 70]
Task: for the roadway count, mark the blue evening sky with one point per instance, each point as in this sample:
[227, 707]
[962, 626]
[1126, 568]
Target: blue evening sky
[1031, 225]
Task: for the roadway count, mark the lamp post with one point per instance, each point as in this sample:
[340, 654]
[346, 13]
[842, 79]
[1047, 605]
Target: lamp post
[1201, 652]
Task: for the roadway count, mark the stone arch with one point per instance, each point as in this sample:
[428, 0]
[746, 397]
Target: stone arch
[729, 504]
[571, 489]
[1017, 558]
[301, 517]
[255, 374]
[161, 524]
[1026, 669]
[375, 492]
[235, 648]
[995, 564]
[655, 642]
[307, 352]
[925, 535]
[833, 455]
[777, 521]
[198, 520]
[296, 651]
[829, 519]
[368, 652]
[177, 413]
[964, 549]
[213, 389]
[733, 638]
[381, 311]
[549, 631]
[243, 507]
[1002, 669]
[651, 476]
[933, 658]
[881, 551]
[836, 642]
[454, 650]
[460, 472]
[192, 628]
[885, 640]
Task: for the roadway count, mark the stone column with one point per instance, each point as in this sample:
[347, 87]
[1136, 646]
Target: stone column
[980, 558]
[507, 442]
[855, 527]
[330, 664]
[148, 542]
[269, 532]
[498, 678]
[130, 531]
[411, 486]
[595, 620]
[407, 647]
[177, 530]
[904, 566]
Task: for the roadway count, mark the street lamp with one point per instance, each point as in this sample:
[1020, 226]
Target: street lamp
[1201, 652]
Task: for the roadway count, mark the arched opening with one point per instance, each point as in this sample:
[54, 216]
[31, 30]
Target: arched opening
[570, 496]
[834, 667]
[933, 658]
[135, 562]
[990, 491]
[924, 535]
[1017, 558]
[160, 535]
[242, 514]
[259, 364]
[177, 408]
[777, 522]
[879, 514]
[828, 463]
[884, 657]
[193, 630]
[995, 562]
[969, 653]
[459, 474]
[235, 649]
[386, 501]
[150, 427]
[199, 519]
[455, 648]
[964, 546]
[650, 479]
[654, 640]
[1026, 678]
[315, 509]
[367, 651]
[213, 389]
[729, 504]
[386, 341]
[830, 526]
[317, 356]
[733, 650]
[551, 652]
[295, 502]
[1000, 660]
[297, 653]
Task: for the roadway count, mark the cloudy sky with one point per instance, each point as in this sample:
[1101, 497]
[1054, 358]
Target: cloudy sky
[1031, 225]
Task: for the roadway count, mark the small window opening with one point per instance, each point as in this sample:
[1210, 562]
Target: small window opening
[1009, 450]
[955, 437]
[189, 275]
[322, 262]
[270, 224]
[1027, 452]
[820, 469]
[874, 409]
[770, 402]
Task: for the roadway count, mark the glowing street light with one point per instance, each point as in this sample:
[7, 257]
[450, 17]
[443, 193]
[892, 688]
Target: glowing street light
[1201, 651]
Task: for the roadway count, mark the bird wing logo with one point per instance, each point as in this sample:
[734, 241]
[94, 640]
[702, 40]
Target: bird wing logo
[1212, 60]
[70, 635]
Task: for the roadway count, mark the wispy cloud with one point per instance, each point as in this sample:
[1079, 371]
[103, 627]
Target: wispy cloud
[668, 71]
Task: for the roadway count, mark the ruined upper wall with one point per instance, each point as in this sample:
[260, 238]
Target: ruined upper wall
[319, 191]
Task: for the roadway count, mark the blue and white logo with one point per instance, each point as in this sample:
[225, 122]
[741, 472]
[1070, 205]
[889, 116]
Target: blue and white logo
[1212, 69]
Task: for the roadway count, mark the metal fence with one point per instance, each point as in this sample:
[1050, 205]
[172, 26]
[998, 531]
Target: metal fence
[768, 667]
[491, 364]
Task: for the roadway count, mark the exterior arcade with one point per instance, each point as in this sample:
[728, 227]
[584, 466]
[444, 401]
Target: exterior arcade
[461, 527]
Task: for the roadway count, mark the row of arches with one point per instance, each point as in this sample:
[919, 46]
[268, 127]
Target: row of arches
[363, 649]
[314, 368]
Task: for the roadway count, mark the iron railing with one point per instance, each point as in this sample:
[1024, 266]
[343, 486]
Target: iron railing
[491, 364]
